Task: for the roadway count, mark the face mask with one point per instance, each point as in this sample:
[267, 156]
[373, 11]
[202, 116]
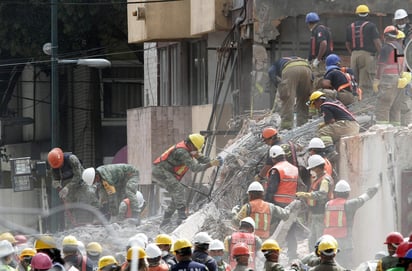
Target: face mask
[164, 253]
[218, 259]
[401, 26]
[313, 175]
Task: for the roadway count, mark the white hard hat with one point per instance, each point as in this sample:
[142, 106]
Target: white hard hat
[342, 186]
[216, 245]
[153, 251]
[143, 237]
[276, 151]
[202, 238]
[316, 143]
[400, 14]
[255, 186]
[135, 241]
[248, 220]
[88, 175]
[6, 248]
[314, 161]
[140, 199]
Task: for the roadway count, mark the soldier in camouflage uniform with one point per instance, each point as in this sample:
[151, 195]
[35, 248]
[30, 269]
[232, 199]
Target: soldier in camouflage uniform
[66, 170]
[170, 167]
[114, 183]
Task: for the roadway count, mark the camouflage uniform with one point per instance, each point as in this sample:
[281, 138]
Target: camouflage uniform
[119, 181]
[327, 265]
[163, 175]
[273, 266]
[69, 177]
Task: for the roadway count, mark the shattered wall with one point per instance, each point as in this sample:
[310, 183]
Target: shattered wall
[379, 155]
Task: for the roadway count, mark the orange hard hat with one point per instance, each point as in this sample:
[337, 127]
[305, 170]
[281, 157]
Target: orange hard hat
[269, 132]
[55, 158]
[240, 249]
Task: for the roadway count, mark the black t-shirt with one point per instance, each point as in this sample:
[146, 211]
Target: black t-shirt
[337, 79]
[335, 110]
[369, 33]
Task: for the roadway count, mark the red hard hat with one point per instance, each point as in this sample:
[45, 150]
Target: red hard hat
[41, 261]
[55, 158]
[240, 249]
[394, 238]
[269, 132]
[20, 239]
[402, 249]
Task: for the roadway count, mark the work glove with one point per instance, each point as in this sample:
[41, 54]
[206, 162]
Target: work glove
[63, 193]
[215, 163]
[402, 82]
[303, 194]
[315, 63]
[375, 85]
[236, 209]
[372, 191]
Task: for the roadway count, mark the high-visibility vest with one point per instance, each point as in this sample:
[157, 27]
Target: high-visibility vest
[315, 187]
[260, 212]
[250, 240]
[357, 34]
[179, 170]
[394, 64]
[335, 218]
[288, 184]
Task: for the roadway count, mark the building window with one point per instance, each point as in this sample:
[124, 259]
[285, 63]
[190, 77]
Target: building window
[197, 72]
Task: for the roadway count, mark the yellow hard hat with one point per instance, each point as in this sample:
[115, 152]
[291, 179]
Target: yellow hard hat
[314, 96]
[181, 243]
[197, 140]
[45, 242]
[94, 248]
[328, 247]
[27, 252]
[135, 251]
[163, 239]
[105, 261]
[69, 240]
[8, 236]
[270, 244]
[362, 9]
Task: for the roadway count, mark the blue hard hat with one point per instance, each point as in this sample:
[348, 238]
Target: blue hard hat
[408, 254]
[312, 17]
[332, 59]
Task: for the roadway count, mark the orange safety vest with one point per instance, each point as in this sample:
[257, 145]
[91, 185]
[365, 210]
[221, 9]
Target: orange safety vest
[288, 182]
[357, 35]
[394, 64]
[260, 212]
[129, 210]
[179, 170]
[315, 187]
[250, 240]
[335, 218]
[160, 267]
[328, 167]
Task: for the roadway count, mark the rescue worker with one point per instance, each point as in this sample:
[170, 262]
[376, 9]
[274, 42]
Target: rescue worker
[320, 191]
[313, 259]
[201, 242]
[334, 78]
[21, 243]
[338, 120]
[392, 242]
[182, 248]
[281, 190]
[401, 21]
[170, 167]
[363, 43]
[321, 44]
[339, 216]
[67, 169]
[317, 146]
[154, 258]
[41, 262]
[164, 242]
[108, 263]
[25, 259]
[135, 254]
[6, 255]
[10, 237]
[94, 251]
[241, 255]
[391, 78]
[47, 244]
[258, 209]
[405, 262]
[72, 256]
[327, 251]
[245, 234]
[216, 250]
[126, 211]
[271, 250]
[292, 76]
[114, 183]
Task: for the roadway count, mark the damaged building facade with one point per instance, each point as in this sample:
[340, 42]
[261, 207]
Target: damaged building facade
[206, 66]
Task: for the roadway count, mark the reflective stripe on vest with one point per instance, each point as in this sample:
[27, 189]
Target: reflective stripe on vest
[288, 184]
[335, 218]
[315, 187]
[129, 210]
[179, 170]
[359, 36]
[247, 238]
[394, 64]
[260, 212]
[341, 107]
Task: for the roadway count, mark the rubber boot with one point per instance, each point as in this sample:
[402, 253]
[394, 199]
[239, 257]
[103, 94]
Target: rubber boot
[166, 218]
[181, 215]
